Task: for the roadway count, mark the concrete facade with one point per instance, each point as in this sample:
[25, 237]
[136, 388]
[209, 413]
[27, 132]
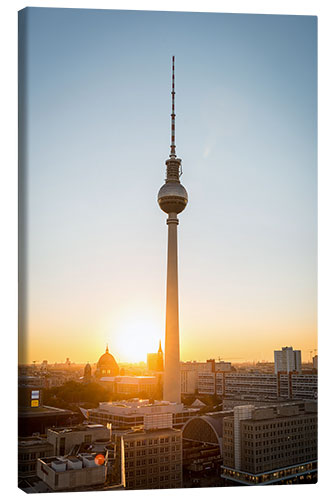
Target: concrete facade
[153, 458]
[259, 386]
[64, 439]
[126, 414]
[270, 438]
[29, 450]
[71, 473]
[287, 360]
[172, 199]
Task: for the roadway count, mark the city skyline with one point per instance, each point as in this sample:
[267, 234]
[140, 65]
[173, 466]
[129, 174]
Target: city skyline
[307, 358]
[96, 250]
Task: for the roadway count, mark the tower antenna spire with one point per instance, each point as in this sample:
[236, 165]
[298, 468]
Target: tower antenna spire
[173, 115]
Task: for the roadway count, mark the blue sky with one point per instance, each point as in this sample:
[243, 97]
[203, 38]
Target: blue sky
[98, 122]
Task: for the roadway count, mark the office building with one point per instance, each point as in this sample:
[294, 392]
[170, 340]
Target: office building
[153, 454]
[128, 413]
[264, 441]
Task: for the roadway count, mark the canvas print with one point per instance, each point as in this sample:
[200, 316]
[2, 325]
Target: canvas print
[167, 250]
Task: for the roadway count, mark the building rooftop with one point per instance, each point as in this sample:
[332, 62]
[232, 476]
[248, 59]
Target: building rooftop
[142, 406]
[42, 411]
[139, 430]
[77, 428]
[32, 440]
[83, 458]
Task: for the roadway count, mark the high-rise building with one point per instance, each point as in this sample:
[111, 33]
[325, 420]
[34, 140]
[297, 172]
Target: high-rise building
[172, 199]
[287, 360]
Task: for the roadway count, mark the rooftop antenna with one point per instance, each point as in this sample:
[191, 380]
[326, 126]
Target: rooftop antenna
[173, 115]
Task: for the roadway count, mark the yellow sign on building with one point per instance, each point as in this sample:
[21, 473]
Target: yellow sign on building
[35, 402]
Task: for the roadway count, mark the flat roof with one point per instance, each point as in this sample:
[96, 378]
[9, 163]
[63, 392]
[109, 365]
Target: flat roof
[42, 411]
[145, 432]
[33, 440]
[77, 428]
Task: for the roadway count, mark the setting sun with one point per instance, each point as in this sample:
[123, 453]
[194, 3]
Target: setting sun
[135, 337]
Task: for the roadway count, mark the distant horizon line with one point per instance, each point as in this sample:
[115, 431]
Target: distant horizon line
[249, 361]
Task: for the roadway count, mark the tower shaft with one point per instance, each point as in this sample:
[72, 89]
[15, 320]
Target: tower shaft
[171, 390]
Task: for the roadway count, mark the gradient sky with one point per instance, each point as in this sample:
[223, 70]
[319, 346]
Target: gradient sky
[98, 122]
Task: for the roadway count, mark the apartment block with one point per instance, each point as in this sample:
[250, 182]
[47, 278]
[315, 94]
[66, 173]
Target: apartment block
[287, 360]
[259, 386]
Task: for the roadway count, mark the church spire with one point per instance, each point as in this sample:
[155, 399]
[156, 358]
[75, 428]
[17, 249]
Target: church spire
[160, 348]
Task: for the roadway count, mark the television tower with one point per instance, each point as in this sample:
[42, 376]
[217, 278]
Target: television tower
[172, 199]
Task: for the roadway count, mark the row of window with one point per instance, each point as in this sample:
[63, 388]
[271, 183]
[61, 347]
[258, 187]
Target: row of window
[152, 470]
[26, 468]
[31, 456]
[153, 481]
[174, 469]
[153, 451]
[150, 442]
[161, 459]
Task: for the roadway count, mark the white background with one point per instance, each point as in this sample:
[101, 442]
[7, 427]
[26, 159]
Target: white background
[8, 235]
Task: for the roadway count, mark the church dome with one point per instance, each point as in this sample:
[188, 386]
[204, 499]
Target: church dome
[107, 365]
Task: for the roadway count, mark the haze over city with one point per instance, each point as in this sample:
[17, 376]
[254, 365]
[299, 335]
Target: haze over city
[246, 130]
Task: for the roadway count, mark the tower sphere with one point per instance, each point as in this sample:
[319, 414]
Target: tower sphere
[172, 197]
